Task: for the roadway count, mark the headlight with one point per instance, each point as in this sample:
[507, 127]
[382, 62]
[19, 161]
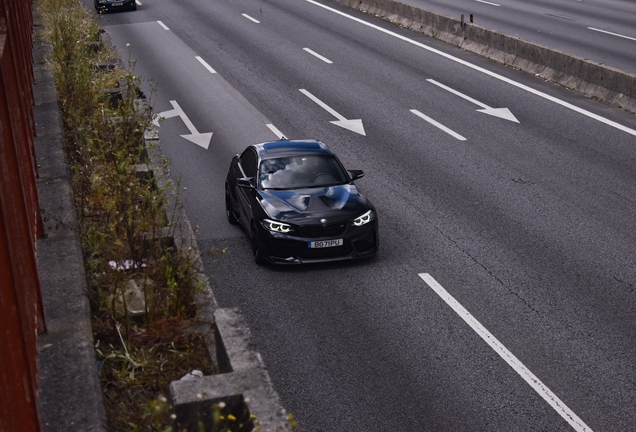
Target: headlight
[278, 227]
[364, 219]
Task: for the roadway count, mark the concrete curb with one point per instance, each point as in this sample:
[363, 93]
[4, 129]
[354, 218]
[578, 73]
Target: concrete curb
[591, 79]
[182, 231]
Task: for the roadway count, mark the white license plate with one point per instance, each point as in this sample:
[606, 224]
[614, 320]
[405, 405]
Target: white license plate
[325, 243]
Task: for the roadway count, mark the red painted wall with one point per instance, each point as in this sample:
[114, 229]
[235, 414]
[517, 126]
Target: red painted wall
[21, 314]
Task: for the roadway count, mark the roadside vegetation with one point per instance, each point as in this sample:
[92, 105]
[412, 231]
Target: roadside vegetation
[141, 288]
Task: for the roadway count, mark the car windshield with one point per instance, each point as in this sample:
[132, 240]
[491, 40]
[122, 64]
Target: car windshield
[299, 172]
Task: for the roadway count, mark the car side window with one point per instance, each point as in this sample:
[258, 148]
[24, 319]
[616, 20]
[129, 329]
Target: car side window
[248, 161]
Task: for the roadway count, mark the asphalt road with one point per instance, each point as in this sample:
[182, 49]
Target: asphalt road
[528, 222]
[599, 30]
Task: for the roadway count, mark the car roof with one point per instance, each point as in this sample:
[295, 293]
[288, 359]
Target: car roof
[286, 148]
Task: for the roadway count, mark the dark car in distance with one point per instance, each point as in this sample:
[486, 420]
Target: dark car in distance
[111, 5]
[299, 205]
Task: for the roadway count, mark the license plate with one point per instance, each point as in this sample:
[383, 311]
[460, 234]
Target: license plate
[117, 4]
[325, 243]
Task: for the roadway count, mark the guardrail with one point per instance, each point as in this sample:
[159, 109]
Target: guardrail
[21, 312]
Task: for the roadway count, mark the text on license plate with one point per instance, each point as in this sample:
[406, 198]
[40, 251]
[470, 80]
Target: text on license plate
[325, 243]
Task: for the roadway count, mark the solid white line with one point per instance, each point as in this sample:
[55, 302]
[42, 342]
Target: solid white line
[534, 382]
[438, 125]
[314, 53]
[163, 25]
[251, 19]
[610, 33]
[274, 129]
[204, 63]
[488, 3]
[138, 2]
[482, 70]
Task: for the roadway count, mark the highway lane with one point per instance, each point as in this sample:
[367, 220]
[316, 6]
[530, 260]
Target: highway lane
[599, 30]
[528, 225]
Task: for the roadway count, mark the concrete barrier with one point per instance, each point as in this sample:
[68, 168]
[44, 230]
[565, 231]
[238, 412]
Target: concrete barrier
[591, 79]
[242, 388]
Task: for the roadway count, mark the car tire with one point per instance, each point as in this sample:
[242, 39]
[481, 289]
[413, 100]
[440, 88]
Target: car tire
[256, 246]
[134, 6]
[231, 217]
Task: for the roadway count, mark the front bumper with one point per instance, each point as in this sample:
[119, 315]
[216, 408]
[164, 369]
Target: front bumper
[359, 242]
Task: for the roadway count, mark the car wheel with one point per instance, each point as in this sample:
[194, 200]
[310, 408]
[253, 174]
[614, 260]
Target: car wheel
[231, 217]
[256, 245]
[134, 6]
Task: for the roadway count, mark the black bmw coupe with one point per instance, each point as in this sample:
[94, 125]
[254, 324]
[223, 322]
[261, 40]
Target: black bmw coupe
[299, 205]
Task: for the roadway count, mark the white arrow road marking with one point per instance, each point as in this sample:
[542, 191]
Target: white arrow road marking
[200, 139]
[543, 391]
[438, 125]
[352, 125]
[503, 113]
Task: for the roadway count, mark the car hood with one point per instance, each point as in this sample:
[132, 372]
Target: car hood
[340, 202]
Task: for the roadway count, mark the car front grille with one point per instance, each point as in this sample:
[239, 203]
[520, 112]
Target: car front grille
[316, 231]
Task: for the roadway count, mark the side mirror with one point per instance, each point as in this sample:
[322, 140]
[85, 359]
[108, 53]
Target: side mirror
[356, 174]
[245, 182]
